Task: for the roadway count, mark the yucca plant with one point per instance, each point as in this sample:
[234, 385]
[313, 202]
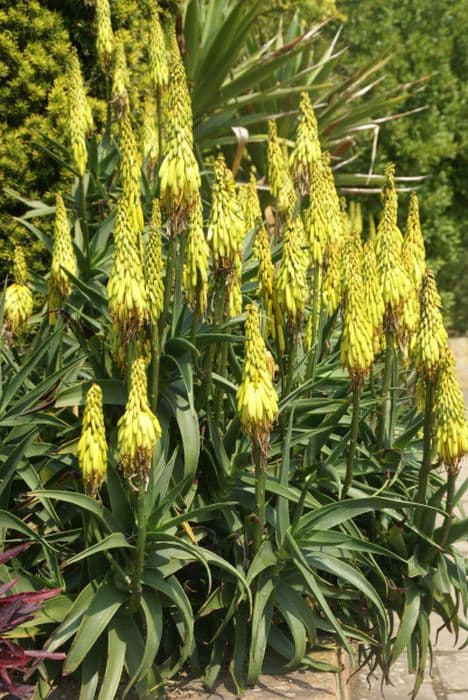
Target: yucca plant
[210, 428]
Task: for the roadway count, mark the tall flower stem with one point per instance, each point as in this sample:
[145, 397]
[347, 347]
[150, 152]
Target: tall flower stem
[426, 464]
[139, 560]
[383, 428]
[260, 489]
[353, 438]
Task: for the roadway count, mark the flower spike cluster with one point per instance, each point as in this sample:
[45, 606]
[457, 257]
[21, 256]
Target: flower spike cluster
[92, 445]
[450, 415]
[104, 34]
[157, 52]
[414, 261]
[394, 280]
[257, 400]
[150, 129]
[372, 292]
[431, 339]
[121, 77]
[281, 184]
[79, 116]
[18, 302]
[226, 223]
[291, 283]
[130, 173]
[316, 217]
[196, 266]
[306, 151]
[179, 173]
[154, 266]
[138, 429]
[63, 257]
[126, 289]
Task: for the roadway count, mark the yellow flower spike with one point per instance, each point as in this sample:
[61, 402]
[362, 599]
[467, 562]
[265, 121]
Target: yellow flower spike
[355, 214]
[130, 174]
[413, 243]
[157, 52]
[177, 103]
[332, 201]
[250, 204]
[63, 257]
[150, 133]
[138, 429]
[154, 266]
[79, 116]
[179, 174]
[92, 445]
[121, 77]
[226, 223]
[332, 285]
[257, 400]
[266, 275]
[431, 338]
[196, 265]
[18, 301]
[104, 34]
[126, 288]
[450, 415]
[281, 184]
[373, 292]
[357, 352]
[316, 216]
[394, 280]
[306, 151]
[291, 282]
[351, 253]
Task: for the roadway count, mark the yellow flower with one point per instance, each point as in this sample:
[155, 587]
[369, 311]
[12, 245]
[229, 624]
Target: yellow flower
[250, 204]
[291, 283]
[226, 223]
[281, 184]
[150, 134]
[18, 301]
[413, 243]
[79, 115]
[266, 274]
[63, 256]
[257, 400]
[450, 414]
[157, 52]
[316, 216]
[154, 266]
[104, 34]
[196, 265]
[372, 292]
[130, 174]
[431, 338]
[138, 429]
[332, 201]
[357, 352]
[126, 289]
[179, 174]
[92, 445]
[394, 280]
[332, 285]
[306, 151]
[121, 77]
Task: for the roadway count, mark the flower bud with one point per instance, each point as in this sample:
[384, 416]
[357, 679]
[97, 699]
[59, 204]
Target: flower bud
[154, 266]
[281, 184]
[431, 338]
[450, 415]
[104, 34]
[306, 152]
[63, 257]
[157, 52]
[291, 283]
[92, 445]
[18, 301]
[196, 266]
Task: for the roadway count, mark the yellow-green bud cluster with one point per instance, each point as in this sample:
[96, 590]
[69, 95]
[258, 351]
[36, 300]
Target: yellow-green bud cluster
[120, 78]
[414, 261]
[431, 338]
[291, 283]
[154, 266]
[138, 429]
[18, 301]
[63, 256]
[250, 204]
[316, 216]
[450, 414]
[157, 52]
[281, 184]
[372, 292]
[226, 223]
[79, 116]
[266, 273]
[394, 280]
[257, 400]
[126, 289]
[357, 351]
[332, 285]
[104, 34]
[150, 134]
[92, 445]
[333, 219]
[130, 174]
[306, 151]
[179, 173]
[196, 266]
